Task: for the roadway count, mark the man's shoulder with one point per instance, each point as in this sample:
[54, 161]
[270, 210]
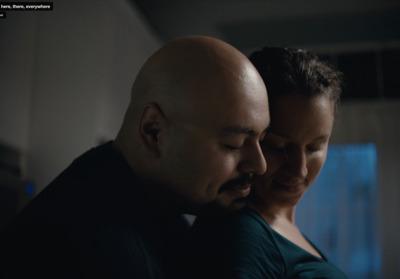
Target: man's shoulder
[97, 183]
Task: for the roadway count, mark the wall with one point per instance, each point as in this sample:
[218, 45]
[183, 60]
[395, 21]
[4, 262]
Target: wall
[65, 79]
[17, 39]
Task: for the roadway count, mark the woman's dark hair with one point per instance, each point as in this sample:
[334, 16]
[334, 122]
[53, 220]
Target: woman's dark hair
[295, 71]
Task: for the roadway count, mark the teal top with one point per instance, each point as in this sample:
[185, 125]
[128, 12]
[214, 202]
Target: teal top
[253, 250]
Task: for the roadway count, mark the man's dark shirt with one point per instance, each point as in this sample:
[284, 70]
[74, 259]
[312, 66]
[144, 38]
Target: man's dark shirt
[93, 221]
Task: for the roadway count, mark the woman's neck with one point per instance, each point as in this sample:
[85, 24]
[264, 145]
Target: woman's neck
[281, 220]
[274, 213]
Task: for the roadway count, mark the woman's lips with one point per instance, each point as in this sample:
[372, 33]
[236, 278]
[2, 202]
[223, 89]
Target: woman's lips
[291, 187]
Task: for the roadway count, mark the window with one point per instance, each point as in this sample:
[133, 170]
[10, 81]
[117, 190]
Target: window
[339, 213]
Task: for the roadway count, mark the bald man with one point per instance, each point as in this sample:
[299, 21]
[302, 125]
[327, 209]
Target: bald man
[190, 136]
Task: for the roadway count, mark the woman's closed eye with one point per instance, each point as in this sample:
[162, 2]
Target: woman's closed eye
[314, 148]
[274, 146]
[273, 143]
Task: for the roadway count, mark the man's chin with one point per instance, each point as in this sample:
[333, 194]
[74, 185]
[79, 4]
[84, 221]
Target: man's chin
[229, 203]
[237, 205]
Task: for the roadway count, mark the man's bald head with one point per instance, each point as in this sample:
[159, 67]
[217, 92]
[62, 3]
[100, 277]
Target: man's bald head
[170, 75]
[191, 101]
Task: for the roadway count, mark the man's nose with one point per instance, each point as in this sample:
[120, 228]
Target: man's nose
[253, 161]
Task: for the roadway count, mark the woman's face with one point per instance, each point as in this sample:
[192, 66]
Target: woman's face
[295, 148]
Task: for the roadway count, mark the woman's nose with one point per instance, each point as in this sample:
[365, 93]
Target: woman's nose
[297, 163]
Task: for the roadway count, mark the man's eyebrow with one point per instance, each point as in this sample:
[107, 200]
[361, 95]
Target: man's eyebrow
[239, 130]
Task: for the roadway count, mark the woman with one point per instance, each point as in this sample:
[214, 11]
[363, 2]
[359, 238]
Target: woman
[263, 241]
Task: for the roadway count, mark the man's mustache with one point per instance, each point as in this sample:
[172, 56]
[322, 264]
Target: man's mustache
[238, 182]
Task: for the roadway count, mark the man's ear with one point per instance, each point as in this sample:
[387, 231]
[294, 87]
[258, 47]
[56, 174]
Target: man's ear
[150, 127]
